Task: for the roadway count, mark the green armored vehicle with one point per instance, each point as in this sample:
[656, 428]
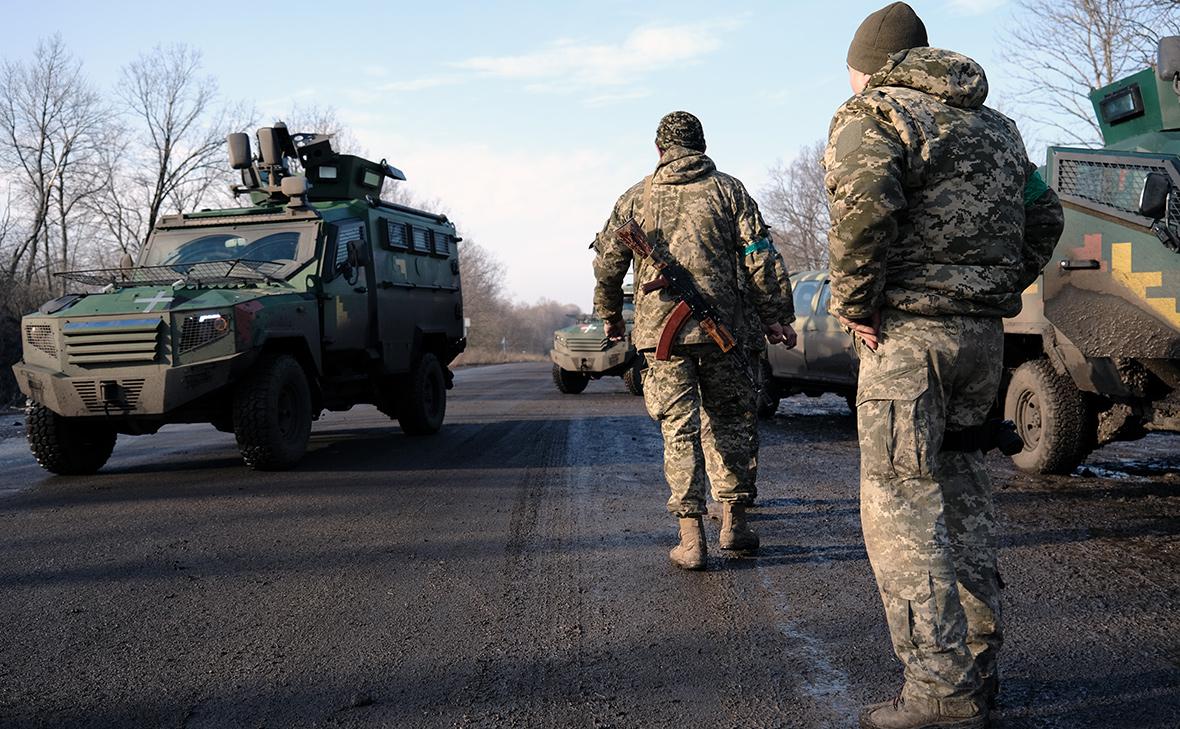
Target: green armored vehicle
[254, 319]
[581, 352]
[1094, 356]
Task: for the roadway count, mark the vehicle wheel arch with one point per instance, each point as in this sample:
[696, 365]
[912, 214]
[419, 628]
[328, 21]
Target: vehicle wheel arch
[298, 348]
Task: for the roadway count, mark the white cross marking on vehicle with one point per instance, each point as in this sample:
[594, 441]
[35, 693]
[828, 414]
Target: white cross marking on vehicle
[159, 298]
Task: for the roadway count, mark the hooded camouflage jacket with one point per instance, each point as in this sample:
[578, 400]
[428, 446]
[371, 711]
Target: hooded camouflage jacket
[712, 227]
[935, 206]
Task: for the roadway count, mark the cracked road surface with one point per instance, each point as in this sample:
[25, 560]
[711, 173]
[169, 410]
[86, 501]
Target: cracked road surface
[512, 572]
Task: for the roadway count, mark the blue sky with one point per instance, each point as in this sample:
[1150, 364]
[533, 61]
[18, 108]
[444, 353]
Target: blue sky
[526, 119]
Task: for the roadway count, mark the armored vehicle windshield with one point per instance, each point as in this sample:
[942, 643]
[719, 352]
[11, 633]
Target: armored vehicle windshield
[282, 243]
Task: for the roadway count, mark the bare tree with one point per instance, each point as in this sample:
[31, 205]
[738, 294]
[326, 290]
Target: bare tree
[180, 126]
[324, 120]
[484, 302]
[51, 122]
[1062, 49]
[795, 204]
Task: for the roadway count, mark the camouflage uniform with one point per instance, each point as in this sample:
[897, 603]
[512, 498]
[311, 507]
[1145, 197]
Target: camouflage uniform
[755, 345]
[712, 227]
[939, 221]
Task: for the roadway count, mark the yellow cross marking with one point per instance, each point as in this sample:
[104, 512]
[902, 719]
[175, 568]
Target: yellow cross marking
[1139, 282]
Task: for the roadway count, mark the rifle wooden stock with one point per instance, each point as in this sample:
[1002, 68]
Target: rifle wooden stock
[632, 236]
[655, 285]
[720, 334]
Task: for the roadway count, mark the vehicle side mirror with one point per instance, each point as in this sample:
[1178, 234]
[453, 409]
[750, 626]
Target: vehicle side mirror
[359, 254]
[240, 157]
[1167, 65]
[126, 263]
[1153, 202]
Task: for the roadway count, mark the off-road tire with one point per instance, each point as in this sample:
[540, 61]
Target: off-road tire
[768, 395]
[569, 383]
[1051, 418]
[633, 377]
[68, 446]
[272, 414]
[422, 405]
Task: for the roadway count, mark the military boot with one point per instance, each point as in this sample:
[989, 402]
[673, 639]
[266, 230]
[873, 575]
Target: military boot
[735, 532]
[690, 553]
[919, 713]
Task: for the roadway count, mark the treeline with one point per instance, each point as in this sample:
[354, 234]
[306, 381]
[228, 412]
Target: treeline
[500, 328]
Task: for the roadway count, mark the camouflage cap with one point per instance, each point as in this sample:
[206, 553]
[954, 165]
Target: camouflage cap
[680, 129]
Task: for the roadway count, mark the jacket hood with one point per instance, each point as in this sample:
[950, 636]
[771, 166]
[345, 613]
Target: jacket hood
[680, 165]
[952, 77]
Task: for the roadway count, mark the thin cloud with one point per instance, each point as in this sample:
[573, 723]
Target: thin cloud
[572, 63]
[975, 7]
[421, 84]
[608, 99]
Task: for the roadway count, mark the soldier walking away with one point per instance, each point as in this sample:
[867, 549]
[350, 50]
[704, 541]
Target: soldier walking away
[707, 222]
[939, 221]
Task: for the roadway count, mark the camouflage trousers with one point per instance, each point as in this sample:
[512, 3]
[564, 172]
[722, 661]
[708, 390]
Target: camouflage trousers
[705, 409]
[928, 519]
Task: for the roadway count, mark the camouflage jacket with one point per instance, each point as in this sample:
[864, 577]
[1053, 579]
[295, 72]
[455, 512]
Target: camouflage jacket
[712, 227]
[935, 206]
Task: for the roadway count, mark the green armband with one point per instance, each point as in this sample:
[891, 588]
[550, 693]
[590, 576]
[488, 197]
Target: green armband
[762, 244]
[1034, 189]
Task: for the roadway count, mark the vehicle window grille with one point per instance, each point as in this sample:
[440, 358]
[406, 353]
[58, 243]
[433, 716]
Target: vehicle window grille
[204, 272]
[1115, 184]
[1173, 217]
[395, 235]
[442, 244]
[40, 336]
[421, 240]
[346, 234]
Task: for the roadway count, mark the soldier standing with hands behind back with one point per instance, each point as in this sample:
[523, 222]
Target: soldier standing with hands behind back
[709, 224]
[939, 221]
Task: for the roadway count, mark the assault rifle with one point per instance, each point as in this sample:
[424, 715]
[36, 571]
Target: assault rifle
[691, 302]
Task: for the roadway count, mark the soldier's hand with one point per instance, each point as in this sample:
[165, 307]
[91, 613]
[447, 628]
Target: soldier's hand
[790, 338]
[777, 333]
[868, 329]
[616, 330]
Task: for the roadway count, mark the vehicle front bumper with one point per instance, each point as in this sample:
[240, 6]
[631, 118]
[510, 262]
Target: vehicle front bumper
[609, 362]
[128, 391]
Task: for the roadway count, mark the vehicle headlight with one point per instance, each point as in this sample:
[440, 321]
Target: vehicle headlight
[197, 330]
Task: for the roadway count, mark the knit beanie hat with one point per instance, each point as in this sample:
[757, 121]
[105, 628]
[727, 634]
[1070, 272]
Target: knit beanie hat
[680, 129]
[893, 28]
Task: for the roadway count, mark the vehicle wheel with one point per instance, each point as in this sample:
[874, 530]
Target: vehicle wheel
[272, 414]
[423, 403]
[569, 383]
[68, 446]
[768, 396]
[1051, 418]
[633, 378]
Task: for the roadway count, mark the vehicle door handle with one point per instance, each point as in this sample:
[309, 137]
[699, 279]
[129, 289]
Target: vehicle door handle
[1080, 264]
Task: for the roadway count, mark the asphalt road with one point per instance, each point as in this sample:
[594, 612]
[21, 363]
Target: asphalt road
[512, 572]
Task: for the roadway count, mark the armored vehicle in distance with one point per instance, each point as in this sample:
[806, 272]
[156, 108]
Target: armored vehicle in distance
[255, 319]
[581, 352]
